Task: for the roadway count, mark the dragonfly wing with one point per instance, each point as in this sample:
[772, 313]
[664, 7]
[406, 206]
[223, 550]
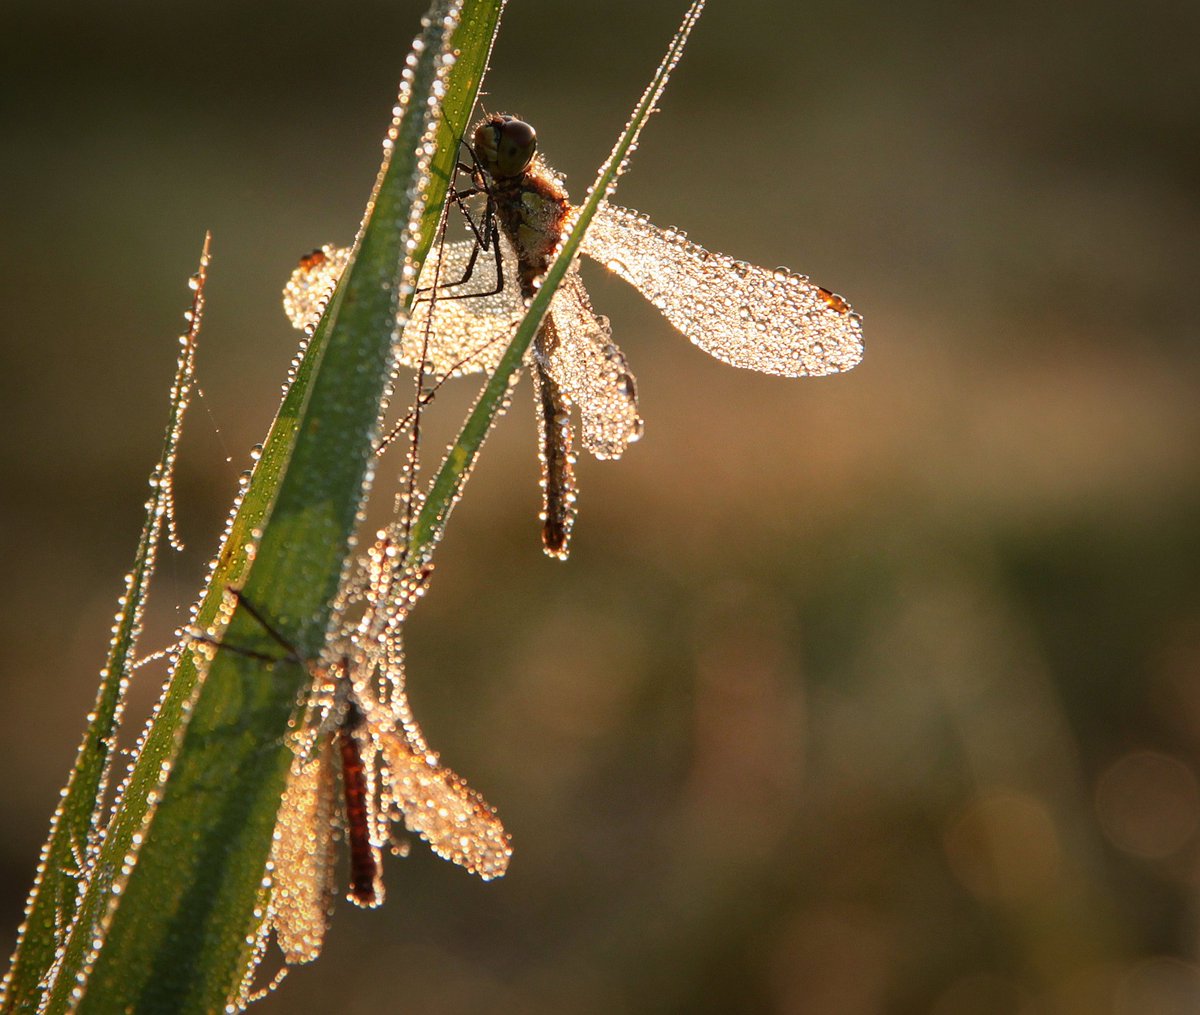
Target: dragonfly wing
[771, 321]
[437, 805]
[465, 336]
[468, 333]
[442, 809]
[591, 370]
[309, 287]
[303, 858]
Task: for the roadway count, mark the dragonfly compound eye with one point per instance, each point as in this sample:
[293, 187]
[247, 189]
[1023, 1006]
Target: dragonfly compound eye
[505, 146]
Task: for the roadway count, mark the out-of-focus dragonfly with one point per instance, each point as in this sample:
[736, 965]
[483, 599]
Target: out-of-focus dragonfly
[772, 321]
[361, 762]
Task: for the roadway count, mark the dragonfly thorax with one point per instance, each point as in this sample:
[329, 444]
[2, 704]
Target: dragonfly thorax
[525, 195]
[504, 145]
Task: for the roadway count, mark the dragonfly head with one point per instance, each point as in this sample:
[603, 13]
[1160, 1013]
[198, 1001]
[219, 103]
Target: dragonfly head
[504, 145]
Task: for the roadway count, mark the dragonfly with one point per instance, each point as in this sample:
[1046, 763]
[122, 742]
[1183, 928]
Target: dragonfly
[770, 321]
[361, 762]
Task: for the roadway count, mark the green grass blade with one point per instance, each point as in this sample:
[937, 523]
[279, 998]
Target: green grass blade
[448, 484]
[74, 828]
[213, 764]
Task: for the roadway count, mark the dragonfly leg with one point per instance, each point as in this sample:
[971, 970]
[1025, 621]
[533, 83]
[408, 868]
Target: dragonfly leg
[266, 625]
[485, 237]
[249, 653]
[486, 233]
[290, 652]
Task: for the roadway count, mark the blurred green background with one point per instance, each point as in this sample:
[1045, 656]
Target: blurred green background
[873, 694]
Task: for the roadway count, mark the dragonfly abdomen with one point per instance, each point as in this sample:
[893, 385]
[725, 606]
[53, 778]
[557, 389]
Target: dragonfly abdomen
[532, 209]
[364, 858]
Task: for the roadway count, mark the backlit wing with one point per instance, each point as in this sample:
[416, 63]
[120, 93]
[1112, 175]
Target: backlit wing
[465, 335]
[589, 367]
[442, 809]
[303, 858]
[770, 321]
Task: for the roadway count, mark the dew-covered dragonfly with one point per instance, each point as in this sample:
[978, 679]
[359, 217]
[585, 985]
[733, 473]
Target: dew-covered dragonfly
[772, 321]
[361, 763]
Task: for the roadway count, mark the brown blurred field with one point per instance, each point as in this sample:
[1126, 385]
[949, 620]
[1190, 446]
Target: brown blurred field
[872, 694]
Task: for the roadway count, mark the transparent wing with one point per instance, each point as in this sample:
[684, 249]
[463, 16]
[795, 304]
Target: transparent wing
[771, 321]
[584, 361]
[309, 287]
[442, 809]
[436, 804]
[304, 859]
[465, 336]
